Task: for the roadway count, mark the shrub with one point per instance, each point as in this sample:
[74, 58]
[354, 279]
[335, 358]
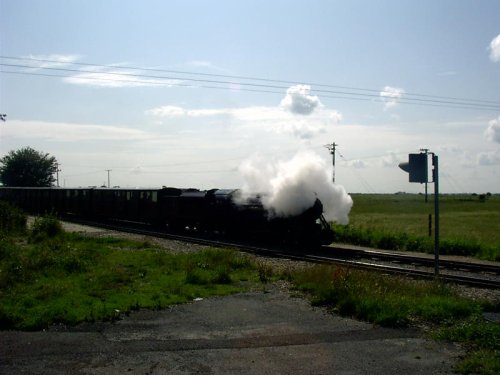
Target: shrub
[45, 227]
[12, 219]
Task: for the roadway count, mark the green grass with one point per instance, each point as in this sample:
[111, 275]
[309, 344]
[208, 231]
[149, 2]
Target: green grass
[385, 300]
[482, 340]
[398, 302]
[69, 278]
[468, 226]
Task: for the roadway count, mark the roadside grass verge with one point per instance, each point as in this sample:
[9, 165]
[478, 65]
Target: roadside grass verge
[482, 342]
[68, 278]
[393, 301]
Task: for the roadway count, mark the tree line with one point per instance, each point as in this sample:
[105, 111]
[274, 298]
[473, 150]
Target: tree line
[28, 167]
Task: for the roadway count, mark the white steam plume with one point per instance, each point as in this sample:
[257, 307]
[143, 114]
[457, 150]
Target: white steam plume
[291, 187]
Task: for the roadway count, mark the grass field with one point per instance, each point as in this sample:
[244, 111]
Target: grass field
[468, 225]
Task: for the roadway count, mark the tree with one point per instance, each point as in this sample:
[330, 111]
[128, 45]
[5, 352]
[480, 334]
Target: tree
[27, 167]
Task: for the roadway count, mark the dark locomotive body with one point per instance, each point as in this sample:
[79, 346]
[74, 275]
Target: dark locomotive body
[208, 212]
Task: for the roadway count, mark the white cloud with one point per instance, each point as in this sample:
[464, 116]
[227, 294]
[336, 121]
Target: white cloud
[357, 164]
[494, 49]
[167, 111]
[52, 61]
[274, 119]
[391, 96]
[492, 133]
[70, 132]
[117, 78]
[489, 158]
[99, 76]
[173, 111]
[391, 160]
[298, 100]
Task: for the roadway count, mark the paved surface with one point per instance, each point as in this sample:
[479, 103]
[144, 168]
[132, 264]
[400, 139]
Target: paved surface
[252, 333]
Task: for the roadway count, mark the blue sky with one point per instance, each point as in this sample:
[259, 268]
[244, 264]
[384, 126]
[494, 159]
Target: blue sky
[330, 71]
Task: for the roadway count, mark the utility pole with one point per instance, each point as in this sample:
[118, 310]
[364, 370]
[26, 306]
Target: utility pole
[108, 170]
[57, 173]
[331, 148]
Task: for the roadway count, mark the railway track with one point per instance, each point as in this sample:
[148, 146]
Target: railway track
[420, 260]
[471, 273]
[472, 278]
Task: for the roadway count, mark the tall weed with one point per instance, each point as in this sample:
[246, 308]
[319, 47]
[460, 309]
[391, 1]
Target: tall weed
[12, 219]
[45, 227]
[389, 301]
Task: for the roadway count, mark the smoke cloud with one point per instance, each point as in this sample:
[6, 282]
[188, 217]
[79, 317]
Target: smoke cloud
[291, 187]
[298, 100]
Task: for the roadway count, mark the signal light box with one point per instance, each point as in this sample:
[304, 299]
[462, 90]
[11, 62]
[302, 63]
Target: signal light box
[416, 167]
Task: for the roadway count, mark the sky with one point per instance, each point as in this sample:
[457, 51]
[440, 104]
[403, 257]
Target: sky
[196, 93]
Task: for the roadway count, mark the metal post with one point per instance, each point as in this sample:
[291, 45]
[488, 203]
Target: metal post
[435, 174]
[426, 150]
[108, 170]
[430, 225]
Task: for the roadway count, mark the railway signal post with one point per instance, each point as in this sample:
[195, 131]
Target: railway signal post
[417, 170]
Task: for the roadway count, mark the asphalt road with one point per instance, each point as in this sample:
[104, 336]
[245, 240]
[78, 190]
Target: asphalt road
[253, 333]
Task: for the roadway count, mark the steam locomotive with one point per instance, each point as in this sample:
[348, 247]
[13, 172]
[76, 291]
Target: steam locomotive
[215, 212]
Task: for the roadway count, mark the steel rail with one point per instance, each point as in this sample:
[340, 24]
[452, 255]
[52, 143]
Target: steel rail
[298, 256]
[411, 272]
[411, 259]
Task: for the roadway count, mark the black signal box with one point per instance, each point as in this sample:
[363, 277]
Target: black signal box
[416, 167]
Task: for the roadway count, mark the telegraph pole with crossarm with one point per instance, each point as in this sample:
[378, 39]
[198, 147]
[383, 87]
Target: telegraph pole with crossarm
[331, 148]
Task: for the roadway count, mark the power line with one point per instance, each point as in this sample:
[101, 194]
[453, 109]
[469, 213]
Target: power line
[172, 81]
[495, 103]
[373, 98]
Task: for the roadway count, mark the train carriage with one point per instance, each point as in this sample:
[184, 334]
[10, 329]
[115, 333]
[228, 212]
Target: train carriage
[214, 212]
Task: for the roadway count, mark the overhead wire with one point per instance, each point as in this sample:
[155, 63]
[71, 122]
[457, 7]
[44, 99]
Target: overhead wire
[370, 98]
[496, 103]
[362, 180]
[403, 98]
